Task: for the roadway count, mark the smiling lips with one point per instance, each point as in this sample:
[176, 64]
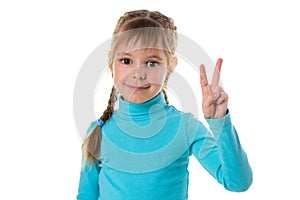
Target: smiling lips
[138, 88]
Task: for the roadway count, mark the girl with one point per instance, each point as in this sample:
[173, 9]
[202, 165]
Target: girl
[141, 150]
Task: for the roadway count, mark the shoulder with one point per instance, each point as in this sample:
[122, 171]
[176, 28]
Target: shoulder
[172, 110]
[190, 125]
[186, 119]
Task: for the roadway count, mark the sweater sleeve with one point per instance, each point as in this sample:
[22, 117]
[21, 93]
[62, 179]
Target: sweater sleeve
[89, 176]
[220, 152]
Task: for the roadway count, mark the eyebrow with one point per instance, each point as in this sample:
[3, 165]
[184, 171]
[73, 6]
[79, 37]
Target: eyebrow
[151, 56]
[155, 57]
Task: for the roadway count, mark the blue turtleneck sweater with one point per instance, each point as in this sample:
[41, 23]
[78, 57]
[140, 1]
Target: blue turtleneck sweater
[145, 151]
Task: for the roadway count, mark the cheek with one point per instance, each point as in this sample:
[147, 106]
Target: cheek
[117, 77]
[118, 82]
[118, 74]
[159, 75]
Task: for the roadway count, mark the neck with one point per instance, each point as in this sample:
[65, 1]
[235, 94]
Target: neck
[145, 109]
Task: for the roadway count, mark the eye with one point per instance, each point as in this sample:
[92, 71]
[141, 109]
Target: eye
[126, 61]
[152, 64]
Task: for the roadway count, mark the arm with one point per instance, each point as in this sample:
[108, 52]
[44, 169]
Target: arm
[224, 156]
[89, 176]
[221, 153]
[88, 184]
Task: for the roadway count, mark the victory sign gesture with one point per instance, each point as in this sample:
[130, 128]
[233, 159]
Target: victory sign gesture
[214, 98]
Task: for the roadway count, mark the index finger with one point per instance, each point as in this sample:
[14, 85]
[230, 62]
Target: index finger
[216, 75]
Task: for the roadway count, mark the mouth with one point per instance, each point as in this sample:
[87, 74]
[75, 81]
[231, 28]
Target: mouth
[138, 88]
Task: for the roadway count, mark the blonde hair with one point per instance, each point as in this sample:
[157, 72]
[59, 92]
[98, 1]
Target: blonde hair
[154, 30]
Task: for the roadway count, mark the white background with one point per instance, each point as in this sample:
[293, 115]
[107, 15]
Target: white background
[44, 44]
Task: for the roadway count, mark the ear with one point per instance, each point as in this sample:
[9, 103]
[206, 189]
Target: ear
[173, 64]
[110, 63]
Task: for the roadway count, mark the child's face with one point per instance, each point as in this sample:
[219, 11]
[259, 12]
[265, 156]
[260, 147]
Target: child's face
[140, 74]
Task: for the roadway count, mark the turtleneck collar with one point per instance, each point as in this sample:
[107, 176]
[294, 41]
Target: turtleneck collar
[146, 109]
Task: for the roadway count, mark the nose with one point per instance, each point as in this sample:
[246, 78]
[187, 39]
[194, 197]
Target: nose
[139, 73]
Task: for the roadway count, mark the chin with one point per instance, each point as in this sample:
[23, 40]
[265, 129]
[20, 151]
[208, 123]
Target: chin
[140, 96]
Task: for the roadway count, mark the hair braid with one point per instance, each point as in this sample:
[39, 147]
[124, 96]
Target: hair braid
[91, 144]
[162, 20]
[165, 95]
[110, 107]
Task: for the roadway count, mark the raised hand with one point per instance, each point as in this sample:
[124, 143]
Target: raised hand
[214, 98]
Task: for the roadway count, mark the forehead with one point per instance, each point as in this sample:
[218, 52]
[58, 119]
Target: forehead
[145, 39]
